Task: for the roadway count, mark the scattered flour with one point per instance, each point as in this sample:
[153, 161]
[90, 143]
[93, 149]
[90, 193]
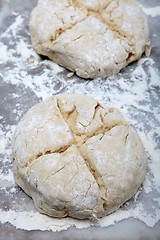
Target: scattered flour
[137, 98]
[153, 12]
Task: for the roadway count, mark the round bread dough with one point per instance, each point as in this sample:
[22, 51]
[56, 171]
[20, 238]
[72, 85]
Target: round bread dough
[94, 38]
[77, 158]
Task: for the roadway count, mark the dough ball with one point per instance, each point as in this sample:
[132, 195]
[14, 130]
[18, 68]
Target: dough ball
[92, 38]
[77, 158]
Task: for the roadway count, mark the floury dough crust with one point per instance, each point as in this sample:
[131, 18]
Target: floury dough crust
[94, 38]
[77, 158]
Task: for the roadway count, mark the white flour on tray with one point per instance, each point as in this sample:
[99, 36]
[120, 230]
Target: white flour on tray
[136, 96]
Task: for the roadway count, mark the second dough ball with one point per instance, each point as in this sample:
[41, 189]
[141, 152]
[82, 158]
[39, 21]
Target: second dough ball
[92, 38]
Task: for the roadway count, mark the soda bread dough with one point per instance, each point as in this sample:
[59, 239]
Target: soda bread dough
[77, 158]
[94, 38]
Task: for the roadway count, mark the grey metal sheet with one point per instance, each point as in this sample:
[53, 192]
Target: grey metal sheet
[13, 108]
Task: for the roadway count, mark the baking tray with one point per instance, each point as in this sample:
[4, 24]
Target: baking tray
[26, 79]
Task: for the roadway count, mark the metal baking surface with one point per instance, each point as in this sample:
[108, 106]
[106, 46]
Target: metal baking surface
[17, 96]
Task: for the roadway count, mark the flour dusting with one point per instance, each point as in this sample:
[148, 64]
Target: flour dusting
[153, 12]
[137, 96]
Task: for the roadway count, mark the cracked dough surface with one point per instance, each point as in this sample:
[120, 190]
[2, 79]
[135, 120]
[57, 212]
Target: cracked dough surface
[92, 38]
[77, 158]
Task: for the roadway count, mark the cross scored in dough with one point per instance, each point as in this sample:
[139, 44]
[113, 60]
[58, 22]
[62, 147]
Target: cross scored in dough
[77, 158]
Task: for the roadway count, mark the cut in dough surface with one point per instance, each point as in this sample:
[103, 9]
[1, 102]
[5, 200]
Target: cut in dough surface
[92, 38]
[77, 158]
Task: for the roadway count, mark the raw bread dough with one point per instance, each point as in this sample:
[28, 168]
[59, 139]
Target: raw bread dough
[77, 158]
[94, 38]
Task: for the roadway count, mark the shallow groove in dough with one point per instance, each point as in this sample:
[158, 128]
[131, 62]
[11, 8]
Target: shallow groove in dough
[102, 130]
